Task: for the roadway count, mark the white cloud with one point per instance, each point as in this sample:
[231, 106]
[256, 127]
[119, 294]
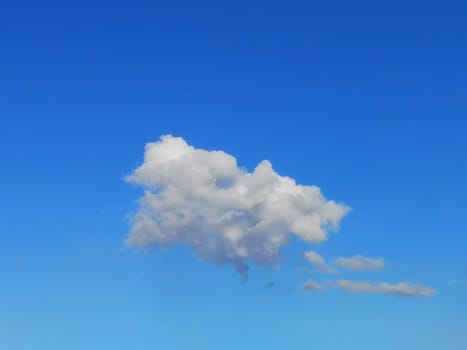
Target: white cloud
[314, 258]
[400, 289]
[225, 214]
[359, 262]
[312, 286]
[319, 262]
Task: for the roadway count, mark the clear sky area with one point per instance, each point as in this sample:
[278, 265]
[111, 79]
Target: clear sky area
[233, 175]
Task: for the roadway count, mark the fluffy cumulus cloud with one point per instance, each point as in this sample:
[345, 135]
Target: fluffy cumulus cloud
[227, 215]
[312, 286]
[400, 289]
[359, 262]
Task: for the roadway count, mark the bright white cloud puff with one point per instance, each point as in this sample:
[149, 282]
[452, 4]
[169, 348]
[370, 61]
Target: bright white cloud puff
[227, 215]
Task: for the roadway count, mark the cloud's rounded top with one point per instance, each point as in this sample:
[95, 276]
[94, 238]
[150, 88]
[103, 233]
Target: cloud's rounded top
[227, 215]
[172, 162]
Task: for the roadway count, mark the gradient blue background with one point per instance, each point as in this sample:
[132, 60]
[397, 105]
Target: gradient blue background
[366, 99]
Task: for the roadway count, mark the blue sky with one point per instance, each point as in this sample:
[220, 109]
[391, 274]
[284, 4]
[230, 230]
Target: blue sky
[364, 99]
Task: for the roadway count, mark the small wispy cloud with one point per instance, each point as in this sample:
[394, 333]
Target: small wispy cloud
[456, 283]
[314, 258]
[399, 289]
[312, 286]
[360, 263]
[318, 261]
